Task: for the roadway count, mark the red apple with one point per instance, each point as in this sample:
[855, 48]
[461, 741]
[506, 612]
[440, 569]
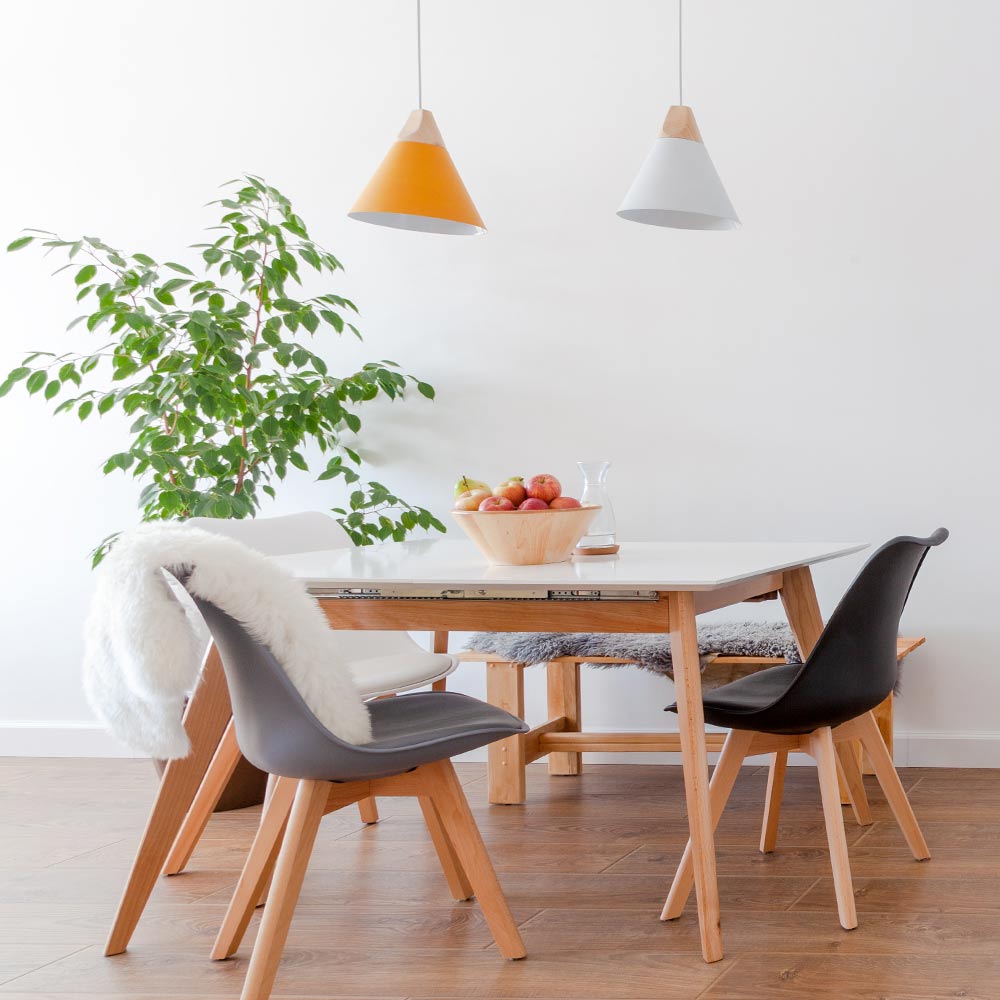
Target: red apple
[495, 504]
[564, 503]
[513, 489]
[545, 488]
[470, 499]
[533, 503]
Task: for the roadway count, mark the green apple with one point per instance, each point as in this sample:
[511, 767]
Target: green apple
[465, 484]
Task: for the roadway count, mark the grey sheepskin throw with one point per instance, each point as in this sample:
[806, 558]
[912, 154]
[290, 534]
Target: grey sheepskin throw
[650, 651]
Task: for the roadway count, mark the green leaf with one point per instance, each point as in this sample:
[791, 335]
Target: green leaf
[425, 390]
[35, 381]
[52, 388]
[84, 411]
[85, 274]
[212, 255]
[179, 267]
[21, 241]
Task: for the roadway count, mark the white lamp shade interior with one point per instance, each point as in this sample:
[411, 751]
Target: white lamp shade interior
[417, 223]
[678, 186]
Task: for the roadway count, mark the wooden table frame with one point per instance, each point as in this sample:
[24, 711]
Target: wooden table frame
[673, 612]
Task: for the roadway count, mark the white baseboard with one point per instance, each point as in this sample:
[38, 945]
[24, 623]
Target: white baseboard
[89, 739]
[59, 739]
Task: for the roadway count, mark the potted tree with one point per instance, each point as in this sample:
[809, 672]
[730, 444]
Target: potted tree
[217, 371]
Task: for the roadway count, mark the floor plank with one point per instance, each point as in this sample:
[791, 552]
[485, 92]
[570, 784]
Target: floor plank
[585, 865]
[858, 977]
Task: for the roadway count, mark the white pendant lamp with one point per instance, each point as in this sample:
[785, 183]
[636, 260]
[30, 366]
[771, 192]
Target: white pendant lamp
[417, 187]
[678, 186]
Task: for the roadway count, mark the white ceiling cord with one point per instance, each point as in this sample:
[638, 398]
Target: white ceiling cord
[420, 75]
[680, 51]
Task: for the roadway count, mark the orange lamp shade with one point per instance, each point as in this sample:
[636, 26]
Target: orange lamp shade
[417, 187]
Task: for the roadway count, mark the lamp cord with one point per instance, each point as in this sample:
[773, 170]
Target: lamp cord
[420, 75]
[680, 51]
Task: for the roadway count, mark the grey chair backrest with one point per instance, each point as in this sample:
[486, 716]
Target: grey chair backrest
[275, 729]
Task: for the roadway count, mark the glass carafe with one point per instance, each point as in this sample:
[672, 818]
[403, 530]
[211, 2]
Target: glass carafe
[595, 491]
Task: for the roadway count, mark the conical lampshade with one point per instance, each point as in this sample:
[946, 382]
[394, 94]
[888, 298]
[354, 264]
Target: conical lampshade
[417, 187]
[678, 185]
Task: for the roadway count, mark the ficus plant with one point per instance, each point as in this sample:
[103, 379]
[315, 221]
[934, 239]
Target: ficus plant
[217, 371]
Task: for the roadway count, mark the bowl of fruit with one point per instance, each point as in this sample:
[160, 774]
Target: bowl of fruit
[519, 523]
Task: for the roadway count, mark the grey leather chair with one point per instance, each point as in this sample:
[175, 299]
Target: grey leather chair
[415, 735]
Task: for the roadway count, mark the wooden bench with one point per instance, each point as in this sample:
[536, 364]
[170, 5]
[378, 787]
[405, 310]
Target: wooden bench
[562, 738]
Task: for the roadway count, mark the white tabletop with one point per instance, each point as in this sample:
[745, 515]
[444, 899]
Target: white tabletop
[659, 566]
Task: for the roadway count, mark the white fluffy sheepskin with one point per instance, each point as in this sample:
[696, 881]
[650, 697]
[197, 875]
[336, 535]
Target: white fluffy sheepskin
[143, 653]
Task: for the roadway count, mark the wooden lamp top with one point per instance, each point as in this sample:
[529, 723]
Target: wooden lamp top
[680, 124]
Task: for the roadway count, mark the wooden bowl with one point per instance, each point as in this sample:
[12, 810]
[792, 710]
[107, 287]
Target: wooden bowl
[526, 537]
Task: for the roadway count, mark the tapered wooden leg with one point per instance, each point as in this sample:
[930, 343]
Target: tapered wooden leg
[822, 748]
[439, 644]
[458, 881]
[227, 756]
[884, 718]
[303, 824]
[850, 771]
[505, 758]
[562, 681]
[205, 720]
[257, 870]
[885, 771]
[772, 802]
[369, 810]
[691, 726]
[449, 800]
[724, 776]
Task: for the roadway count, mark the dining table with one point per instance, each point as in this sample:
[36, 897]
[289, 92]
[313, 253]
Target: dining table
[443, 586]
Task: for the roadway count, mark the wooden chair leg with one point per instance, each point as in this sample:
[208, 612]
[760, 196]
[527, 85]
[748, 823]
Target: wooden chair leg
[257, 870]
[884, 718]
[439, 644]
[208, 712]
[458, 881]
[723, 778]
[505, 758]
[885, 771]
[822, 749]
[772, 802]
[850, 771]
[460, 825]
[227, 756]
[369, 810]
[562, 681]
[303, 823]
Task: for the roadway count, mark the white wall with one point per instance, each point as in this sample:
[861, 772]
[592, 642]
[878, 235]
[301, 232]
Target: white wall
[827, 372]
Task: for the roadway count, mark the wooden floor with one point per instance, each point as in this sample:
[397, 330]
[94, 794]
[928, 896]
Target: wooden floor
[585, 864]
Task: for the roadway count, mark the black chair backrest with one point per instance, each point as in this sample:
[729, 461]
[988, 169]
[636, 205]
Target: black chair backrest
[853, 666]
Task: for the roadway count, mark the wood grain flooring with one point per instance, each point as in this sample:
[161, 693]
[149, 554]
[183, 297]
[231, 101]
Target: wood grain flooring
[585, 865]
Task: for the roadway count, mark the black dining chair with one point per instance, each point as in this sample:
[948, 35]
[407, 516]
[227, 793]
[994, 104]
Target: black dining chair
[414, 737]
[821, 707]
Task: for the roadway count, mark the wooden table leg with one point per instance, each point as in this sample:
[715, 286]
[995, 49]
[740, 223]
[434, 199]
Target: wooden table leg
[505, 760]
[562, 681]
[205, 720]
[691, 723]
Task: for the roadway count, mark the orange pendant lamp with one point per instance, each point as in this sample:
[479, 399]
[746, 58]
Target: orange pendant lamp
[417, 186]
